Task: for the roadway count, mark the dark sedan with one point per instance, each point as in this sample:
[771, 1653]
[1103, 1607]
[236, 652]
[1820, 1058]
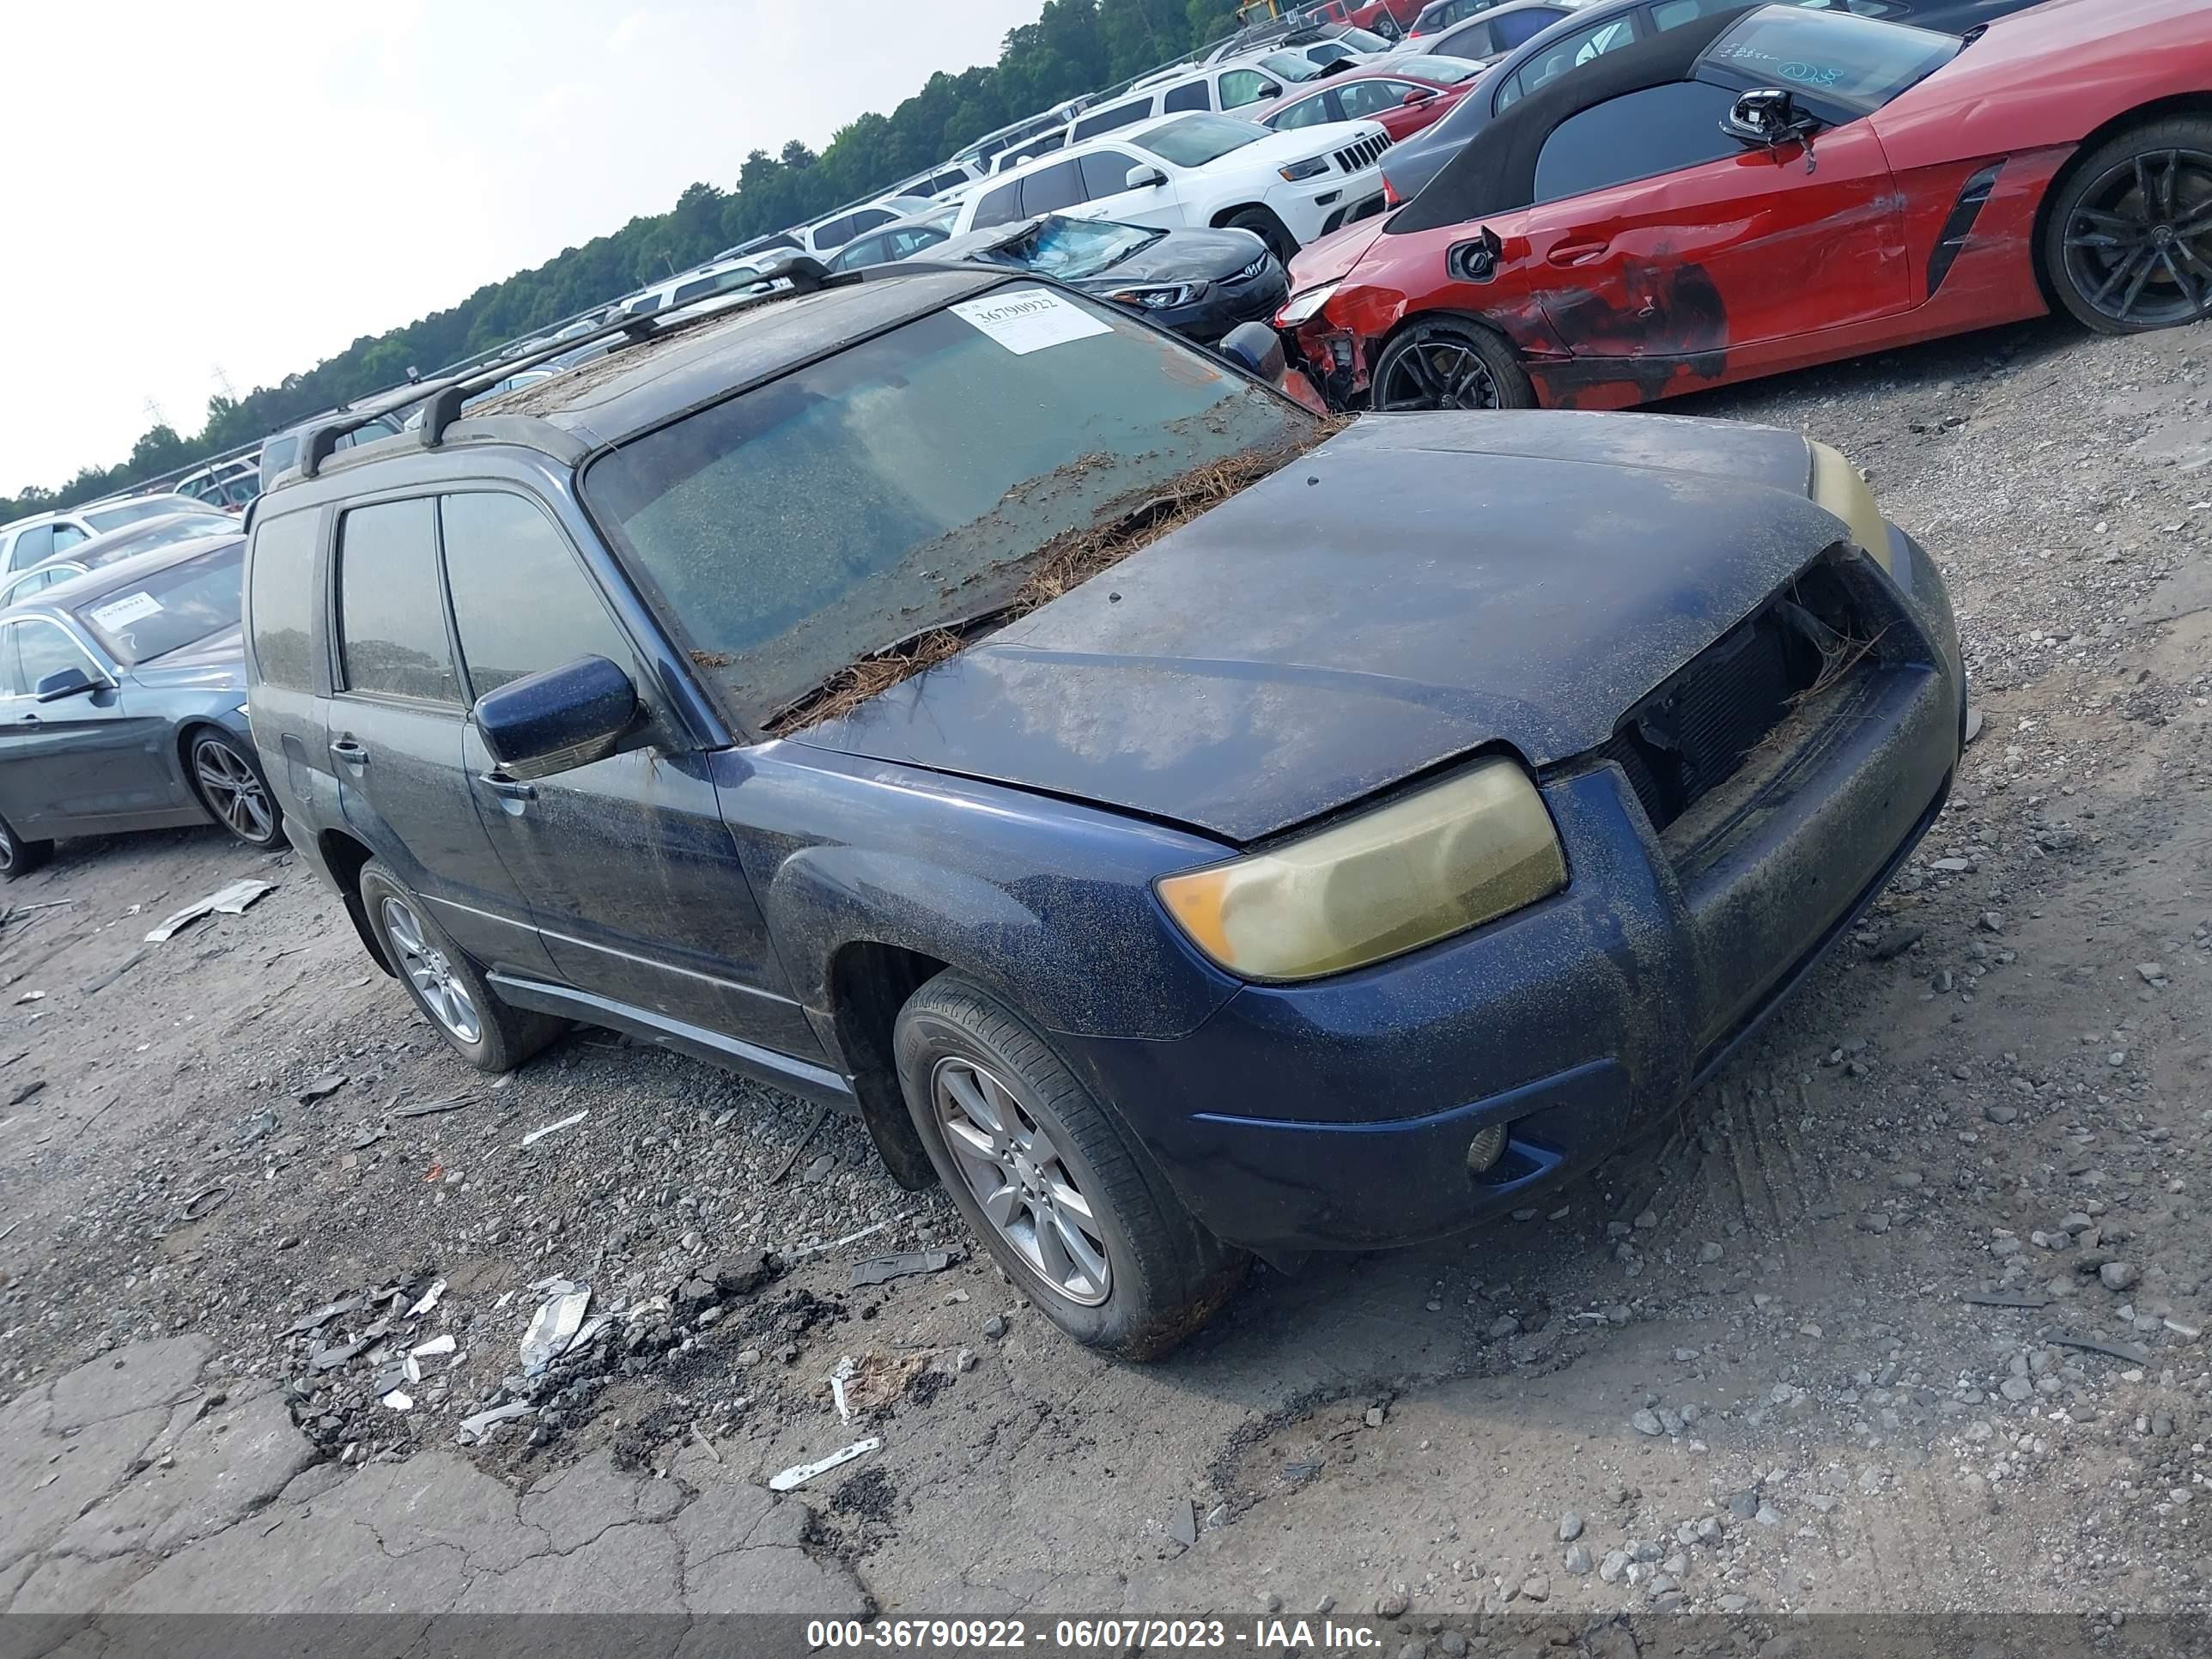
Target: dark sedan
[1606, 26]
[124, 706]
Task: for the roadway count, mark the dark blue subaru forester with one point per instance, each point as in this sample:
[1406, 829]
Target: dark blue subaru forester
[1185, 826]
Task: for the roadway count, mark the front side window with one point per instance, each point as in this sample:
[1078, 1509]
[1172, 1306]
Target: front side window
[837, 232]
[1243, 86]
[32, 546]
[784, 533]
[391, 623]
[1195, 140]
[1638, 135]
[36, 648]
[1308, 112]
[914, 239]
[187, 602]
[498, 547]
[1106, 174]
[861, 251]
[282, 600]
[104, 518]
[1365, 98]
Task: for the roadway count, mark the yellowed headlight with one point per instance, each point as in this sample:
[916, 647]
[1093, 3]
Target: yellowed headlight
[1837, 488]
[1389, 881]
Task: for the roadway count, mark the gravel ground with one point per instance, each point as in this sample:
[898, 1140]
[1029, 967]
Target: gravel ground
[1904, 1311]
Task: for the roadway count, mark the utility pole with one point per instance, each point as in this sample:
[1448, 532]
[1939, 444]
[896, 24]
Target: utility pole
[154, 409]
[223, 380]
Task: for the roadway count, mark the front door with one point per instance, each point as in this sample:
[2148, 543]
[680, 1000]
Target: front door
[395, 722]
[1658, 236]
[79, 764]
[1107, 195]
[631, 875]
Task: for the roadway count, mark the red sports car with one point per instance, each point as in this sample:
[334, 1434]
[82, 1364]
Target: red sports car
[1403, 96]
[1764, 189]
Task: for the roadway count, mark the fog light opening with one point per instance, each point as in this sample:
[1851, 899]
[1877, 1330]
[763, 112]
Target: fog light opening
[1486, 1149]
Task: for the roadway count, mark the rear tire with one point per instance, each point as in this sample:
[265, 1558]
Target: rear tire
[449, 989]
[227, 775]
[19, 857]
[1448, 364]
[1070, 1204]
[1268, 229]
[2128, 242]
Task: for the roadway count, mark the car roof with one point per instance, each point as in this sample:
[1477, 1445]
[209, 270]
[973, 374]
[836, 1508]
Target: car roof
[95, 547]
[122, 574]
[694, 359]
[1496, 172]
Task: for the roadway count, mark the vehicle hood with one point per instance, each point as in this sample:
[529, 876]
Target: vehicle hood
[1278, 149]
[1331, 259]
[216, 662]
[1181, 256]
[1418, 588]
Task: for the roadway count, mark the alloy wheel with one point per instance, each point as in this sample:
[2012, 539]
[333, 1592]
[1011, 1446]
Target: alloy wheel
[1018, 1176]
[2139, 240]
[6, 850]
[431, 974]
[233, 790]
[1443, 372]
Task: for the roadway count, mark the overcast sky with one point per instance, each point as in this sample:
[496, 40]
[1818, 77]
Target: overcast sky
[249, 187]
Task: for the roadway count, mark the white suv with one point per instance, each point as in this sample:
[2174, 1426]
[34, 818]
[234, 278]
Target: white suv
[26, 542]
[1193, 172]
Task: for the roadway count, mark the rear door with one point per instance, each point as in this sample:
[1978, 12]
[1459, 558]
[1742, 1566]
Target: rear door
[78, 764]
[395, 719]
[631, 875]
[1658, 235]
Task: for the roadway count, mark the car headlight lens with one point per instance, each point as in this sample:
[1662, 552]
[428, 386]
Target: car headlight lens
[1837, 488]
[1439, 861]
[1157, 299]
[1299, 172]
[1306, 305]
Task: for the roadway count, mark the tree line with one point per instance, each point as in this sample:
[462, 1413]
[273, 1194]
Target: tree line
[1075, 47]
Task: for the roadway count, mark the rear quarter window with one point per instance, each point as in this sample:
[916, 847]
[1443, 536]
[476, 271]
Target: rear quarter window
[280, 601]
[1001, 206]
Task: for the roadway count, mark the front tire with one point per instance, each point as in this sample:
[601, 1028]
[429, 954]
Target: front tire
[19, 857]
[1269, 229]
[2128, 242]
[1071, 1206]
[1448, 364]
[228, 777]
[451, 990]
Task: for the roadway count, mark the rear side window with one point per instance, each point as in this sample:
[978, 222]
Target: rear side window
[391, 623]
[1189, 96]
[276, 454]
[1636, 136]
[1059, 185]
[280, 602]
[1110, 120]
[1001, 206]
[1572, 52]
[835, 233]
[498, 547]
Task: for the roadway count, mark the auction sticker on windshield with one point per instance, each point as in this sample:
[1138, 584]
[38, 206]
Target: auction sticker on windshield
[119, 614]
[1029, 319]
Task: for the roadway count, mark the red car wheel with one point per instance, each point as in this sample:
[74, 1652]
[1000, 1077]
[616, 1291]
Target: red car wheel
[1449, 365]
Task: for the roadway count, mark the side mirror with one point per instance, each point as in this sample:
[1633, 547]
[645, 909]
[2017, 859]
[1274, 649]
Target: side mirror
[1766, 117]
[1418, 95]
[1268, 89]
[1144, 178]
[1257, 350]
[564, 718]
[68, 683]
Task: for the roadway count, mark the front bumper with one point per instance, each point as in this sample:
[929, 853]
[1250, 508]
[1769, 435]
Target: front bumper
[1337, 1114]
[1225, 306]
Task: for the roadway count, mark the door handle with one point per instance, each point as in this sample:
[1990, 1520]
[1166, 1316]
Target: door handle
[507, 789]
[1578, 253]
[350, 752]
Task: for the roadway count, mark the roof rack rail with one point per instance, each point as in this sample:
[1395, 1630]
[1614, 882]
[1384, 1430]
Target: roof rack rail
[442, 399]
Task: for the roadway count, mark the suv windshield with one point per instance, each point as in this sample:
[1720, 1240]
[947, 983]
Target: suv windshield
[171, 609]
[908, 484]
[1192, 141]
[1069, 248]
[1292, 66]
[1857, 61]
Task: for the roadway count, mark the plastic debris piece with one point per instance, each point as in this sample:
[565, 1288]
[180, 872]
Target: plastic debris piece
[330, 1358]
[539, 1135]
[799, 1474]
[32, 996]
[323, 1315]
[800, 1253]
[427, 1107]
[436, 1345]
[473, 1429]
[554, 1325]
[430, 1299]
[230, 901]
[399, 1400]
[846, 1368]
[879, 1269]
[2007, 1299]
[2127, 1351]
